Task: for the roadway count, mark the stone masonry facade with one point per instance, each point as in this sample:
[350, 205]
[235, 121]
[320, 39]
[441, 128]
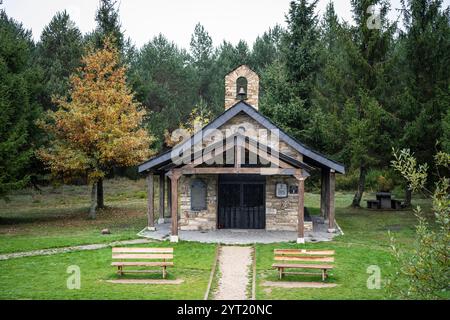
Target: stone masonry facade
[198, 220]
[281, 213]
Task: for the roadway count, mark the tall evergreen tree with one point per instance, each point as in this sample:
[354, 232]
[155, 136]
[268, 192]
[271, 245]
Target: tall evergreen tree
[108, 24]
[242, 52]
[59, 54]
[288, 98]
[368, 137]
[301, 43]
[331, 88]
[164, 83]
[425, 94]
[202, 51]
[19, 88]
[266, 49]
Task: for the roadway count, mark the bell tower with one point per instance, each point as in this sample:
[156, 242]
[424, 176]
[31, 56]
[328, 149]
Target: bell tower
[241, 84]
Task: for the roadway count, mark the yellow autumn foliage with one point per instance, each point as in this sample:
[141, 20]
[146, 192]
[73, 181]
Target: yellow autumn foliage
[99, 126]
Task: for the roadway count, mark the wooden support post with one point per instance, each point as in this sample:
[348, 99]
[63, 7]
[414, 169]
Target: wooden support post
[169, 196]
[150, 206]
[174, 207]
[301, 211]
[331, 191]
[238, 152]
[162, 193]
[325, 180]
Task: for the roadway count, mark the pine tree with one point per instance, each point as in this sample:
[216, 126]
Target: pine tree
[59, 54]
[425, 94]
[288, 98]
[266, 49]
[203, 60]
[326, 130]
[19, 88]
[368, 53]
[108, 25]
[98, 127]
[301, 42]
[164, 83]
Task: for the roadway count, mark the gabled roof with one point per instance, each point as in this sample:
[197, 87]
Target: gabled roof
[310, 156]
[222, 146]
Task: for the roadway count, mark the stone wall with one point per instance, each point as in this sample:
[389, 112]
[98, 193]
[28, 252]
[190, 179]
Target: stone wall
[281, 213]
[198, 220]
[252, 87]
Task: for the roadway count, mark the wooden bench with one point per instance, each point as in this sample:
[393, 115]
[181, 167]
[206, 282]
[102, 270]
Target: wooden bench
[142, 257]
[396, 204]
[294, 258]
[373, 204]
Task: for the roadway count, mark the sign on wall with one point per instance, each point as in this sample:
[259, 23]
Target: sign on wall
[198, 195]
[281, 190]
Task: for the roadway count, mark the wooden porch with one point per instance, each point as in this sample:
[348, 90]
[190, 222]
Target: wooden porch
[169, 186]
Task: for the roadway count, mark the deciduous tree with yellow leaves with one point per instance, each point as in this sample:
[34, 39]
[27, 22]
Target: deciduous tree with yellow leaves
[99, 126]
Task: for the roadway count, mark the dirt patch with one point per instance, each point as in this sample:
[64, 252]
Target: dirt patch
[287, 285]
[144, 281]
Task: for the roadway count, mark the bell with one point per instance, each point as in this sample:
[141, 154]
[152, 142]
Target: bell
[242, 94]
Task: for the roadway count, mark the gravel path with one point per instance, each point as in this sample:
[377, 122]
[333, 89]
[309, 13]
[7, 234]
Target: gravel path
[234, 266]
[47, 252]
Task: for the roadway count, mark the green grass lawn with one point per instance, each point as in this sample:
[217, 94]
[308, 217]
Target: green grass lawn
[365, 243]
[45, 277]
[59, 218]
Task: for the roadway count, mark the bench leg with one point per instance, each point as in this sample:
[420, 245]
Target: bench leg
[164, 272]
[324, 274]
[280, 270]
[120, 270]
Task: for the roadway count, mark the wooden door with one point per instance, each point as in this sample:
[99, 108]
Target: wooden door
[242, 202]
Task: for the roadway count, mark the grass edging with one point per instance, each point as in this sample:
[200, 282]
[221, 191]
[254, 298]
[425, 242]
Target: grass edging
[213, 272]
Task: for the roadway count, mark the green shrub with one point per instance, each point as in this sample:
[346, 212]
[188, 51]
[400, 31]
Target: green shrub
[348, 181]
[426, 268]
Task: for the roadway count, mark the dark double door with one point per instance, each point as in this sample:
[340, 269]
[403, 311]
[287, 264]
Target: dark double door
[241, 202]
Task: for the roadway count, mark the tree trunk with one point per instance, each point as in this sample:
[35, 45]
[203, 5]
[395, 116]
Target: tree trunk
[92, 211]
[100, 200]
[361, 186]
[408, 197]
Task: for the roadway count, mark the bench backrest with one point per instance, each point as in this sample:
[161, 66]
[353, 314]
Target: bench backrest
[139, 254]
[303, 255]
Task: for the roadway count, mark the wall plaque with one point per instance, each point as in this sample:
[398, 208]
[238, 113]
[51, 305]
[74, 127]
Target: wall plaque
[198, 195]
[281, 190]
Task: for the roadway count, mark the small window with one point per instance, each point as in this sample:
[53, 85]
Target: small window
[241, 88]
[198, 195]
